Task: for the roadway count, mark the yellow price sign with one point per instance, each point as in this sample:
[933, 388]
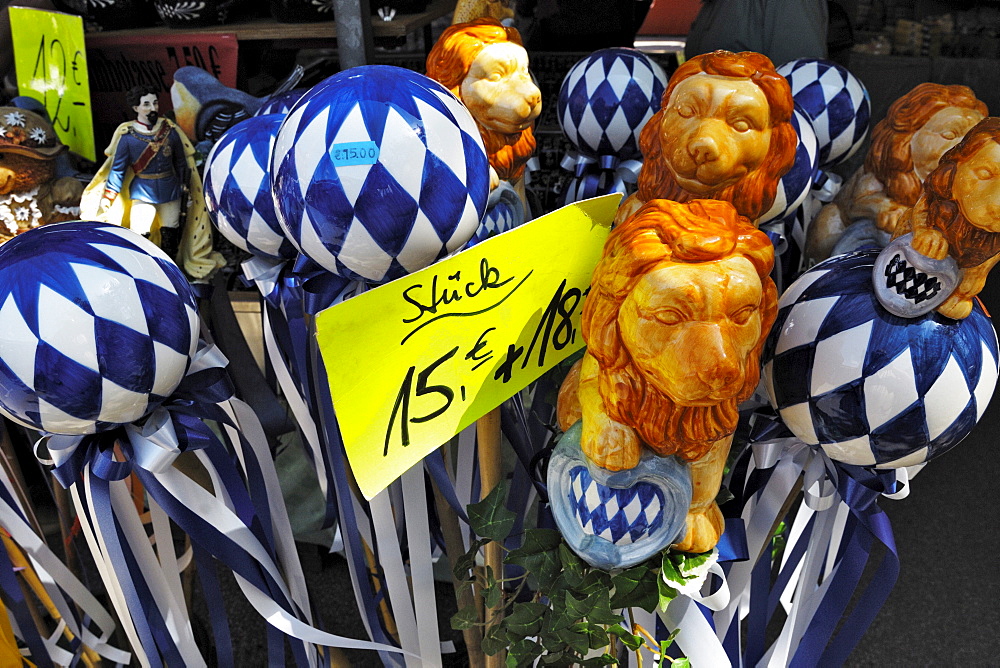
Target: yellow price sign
[50, 60]
[413, 362]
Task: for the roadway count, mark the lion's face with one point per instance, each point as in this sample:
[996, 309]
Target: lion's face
[942, 131]
[498, 89]
[20, 173]
[690, 328]
[976, 188]
[714, 131]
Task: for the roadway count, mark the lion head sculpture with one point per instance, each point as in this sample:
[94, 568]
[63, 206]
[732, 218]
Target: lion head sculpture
[678, 311]
[917, 130]
[724, 132]
[484, 63]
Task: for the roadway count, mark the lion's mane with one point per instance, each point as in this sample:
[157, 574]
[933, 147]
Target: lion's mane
[449, 62]
[889, 159]
[971, 245]
[663, 232]
[754, 194]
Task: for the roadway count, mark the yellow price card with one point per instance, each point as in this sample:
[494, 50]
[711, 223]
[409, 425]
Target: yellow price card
[50, 60]
[413, 362]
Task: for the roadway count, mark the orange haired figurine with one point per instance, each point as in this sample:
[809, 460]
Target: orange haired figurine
[906, 146]
[485, 65]
[724, 132]
[679, 308]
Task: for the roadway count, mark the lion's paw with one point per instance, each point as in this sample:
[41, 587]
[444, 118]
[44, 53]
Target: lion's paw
[704, 527]
[610, 444]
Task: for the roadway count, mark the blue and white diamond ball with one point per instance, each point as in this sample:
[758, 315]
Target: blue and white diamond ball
[868, 387]
[797, 182]
[836, 101]
[238, 188]
[606, 99]
[378, 172]
[98, 327]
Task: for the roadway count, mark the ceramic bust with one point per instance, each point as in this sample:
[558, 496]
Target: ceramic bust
[679, 308]
[484, 64]
[724, 132]
[30, 193]
[906, 146]
[958, 214]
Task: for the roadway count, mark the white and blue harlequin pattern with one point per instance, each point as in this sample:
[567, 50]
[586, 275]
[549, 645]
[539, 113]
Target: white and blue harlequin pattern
[620, 516]
[238, 188]
[796, 183]
[422, 198]
[836, 101]
[606, 99]
[870, 388]
[98, 327]
[504, 211]
[616, 519]
[281, 104]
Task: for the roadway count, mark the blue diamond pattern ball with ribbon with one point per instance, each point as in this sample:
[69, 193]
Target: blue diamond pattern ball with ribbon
[837, 103]
[796, 183]
[870, 388]
[98, 327]
[238, 188]
[378, 172]
[281, 103]
[605, 100]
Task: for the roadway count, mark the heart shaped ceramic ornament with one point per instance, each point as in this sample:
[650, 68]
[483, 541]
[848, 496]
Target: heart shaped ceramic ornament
[910, 284]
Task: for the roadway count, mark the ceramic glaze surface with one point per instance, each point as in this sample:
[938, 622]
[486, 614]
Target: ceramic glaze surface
[504, 211]
[417, 193]
[281, 104]
[606, 99]
[836, 101]
[871, 388]
[97, 327]
[238, 188]
[796, 183]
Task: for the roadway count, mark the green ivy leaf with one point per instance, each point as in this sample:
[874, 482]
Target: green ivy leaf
[594, 580]
[689, 562]
[465, 618]
[669, 570]
[602, 613]
[670, 638]
[625, 583]
[666, 594]
[577, 641]
[525, 619]
[682, 662]
[490, 518]
[579, 608]
[467, 561]
[491, 595]
[539, 555]
[495, 640]
[602, 660]
[630, 640]
[598, 636]
[523, 653]
[572, 565]
[557, 659]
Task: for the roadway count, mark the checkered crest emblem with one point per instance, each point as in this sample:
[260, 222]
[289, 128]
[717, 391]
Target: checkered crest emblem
[795, 184]
[606, 99]
[238, 188]
[99, 326]
[378, 172]
[620, 516]
[871, 388]
[837, 103]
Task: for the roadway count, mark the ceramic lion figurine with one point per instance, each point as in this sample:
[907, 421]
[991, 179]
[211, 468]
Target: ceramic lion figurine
[485, 65]
[679, 308]
[723, 132]
[958, 214]
[906, 146]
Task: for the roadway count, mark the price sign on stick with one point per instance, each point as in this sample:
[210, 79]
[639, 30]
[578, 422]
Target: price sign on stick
[51, 65]
[413, 362]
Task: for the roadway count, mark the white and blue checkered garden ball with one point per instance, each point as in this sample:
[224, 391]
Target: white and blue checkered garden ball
[98, 327]
[836, 101]
[504, 212]
[794, 186]
[606, 99]
[238, 188]
[868, 387]
[378, 172]
[281, 103]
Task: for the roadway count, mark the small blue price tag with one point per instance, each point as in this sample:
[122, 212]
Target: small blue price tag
[354, 153]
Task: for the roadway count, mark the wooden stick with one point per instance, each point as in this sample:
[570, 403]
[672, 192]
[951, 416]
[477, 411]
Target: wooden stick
[488, 436]
[454, 546]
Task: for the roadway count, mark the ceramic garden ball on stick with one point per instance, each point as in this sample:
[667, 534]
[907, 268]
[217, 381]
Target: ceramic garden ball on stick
[485, 65]
[906, 146]
[679, 308]
[724, 132]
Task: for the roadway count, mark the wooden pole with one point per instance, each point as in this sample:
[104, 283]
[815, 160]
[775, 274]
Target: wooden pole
[490, 470]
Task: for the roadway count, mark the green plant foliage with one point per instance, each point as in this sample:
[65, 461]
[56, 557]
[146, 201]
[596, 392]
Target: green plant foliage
[490, 518]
